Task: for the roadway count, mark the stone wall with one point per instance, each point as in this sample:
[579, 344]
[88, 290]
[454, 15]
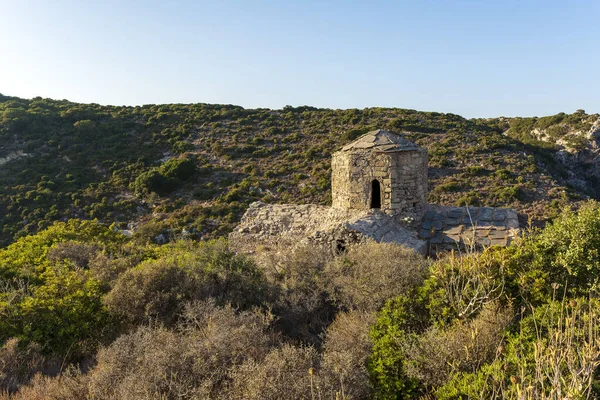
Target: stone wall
[402, 176]
[460, 228]
[272, 225]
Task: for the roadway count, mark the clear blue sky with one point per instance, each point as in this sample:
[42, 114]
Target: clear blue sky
[475, 58]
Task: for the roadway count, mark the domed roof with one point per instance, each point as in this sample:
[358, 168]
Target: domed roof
[381, 140]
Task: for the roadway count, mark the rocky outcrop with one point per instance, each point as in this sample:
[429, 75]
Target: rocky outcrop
[13, 156]
[578, 153]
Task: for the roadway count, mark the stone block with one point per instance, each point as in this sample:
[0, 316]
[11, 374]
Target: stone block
[451, 239]
[438, 216]
[425, 233]
[436, 238]
[483, 241]
[455, 230]
[485, 214]
[482, 232]
[499, 215]
[453, 221]
[455, 213]
[498, 234]
[468, 234]
[512, 223]
[498, 242]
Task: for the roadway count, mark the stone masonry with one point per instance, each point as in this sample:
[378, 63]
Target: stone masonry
[383, 162]
[379, 192]
[276, 225]
[455, 228]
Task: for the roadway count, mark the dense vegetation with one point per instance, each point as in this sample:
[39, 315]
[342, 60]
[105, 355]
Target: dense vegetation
[88, 311]
[192, 170]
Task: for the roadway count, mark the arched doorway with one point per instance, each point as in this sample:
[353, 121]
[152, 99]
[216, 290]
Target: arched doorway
[375, 194]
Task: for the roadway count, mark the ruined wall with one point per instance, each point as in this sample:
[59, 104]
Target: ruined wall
[281, 225]
[402, 176]
[472, 228]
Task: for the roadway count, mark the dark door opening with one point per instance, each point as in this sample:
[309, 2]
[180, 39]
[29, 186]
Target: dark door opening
[375, 194]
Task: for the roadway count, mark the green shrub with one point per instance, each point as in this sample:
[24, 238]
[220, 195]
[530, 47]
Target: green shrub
[185, 271]
[566, 252]
[555, 350]
[386, 364]
[64, 314]
[178, 168]
[154, 181]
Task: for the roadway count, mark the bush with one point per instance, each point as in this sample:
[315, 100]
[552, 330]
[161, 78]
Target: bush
[386, 365]
[154, 181]
[300, 300]
[437, 354]
[157, 289]
[70, 385]
[18, 364]
[566, 252]
[369, 274]
[165, 178]
[346, 350]
[79, 254]
[460, 287]
[192, 362]
[555, 353]
[64, 314]
[286, 372]
[28, 256]
[178, 168]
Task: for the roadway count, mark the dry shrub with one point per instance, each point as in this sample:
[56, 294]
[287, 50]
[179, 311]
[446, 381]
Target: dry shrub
[19, 364]
[106, 268]
[370, 273]
[71, 385]
[437, 354]
[192, 362]
[156, 290]
[346, 350]
[299, 298]
[79, 254]
[152, 291]
[287, 372]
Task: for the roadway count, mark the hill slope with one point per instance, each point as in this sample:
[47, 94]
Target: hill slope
[193, 169]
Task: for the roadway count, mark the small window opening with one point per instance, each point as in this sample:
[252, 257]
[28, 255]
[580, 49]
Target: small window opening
[375, 194]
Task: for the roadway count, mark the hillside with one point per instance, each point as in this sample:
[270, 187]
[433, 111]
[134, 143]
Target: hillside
[87, 312]
[191, 170]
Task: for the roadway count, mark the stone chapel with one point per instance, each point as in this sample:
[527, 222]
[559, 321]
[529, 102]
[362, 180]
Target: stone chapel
[379, 192]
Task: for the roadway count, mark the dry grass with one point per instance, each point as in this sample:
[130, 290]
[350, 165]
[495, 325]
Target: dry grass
[71, 385]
